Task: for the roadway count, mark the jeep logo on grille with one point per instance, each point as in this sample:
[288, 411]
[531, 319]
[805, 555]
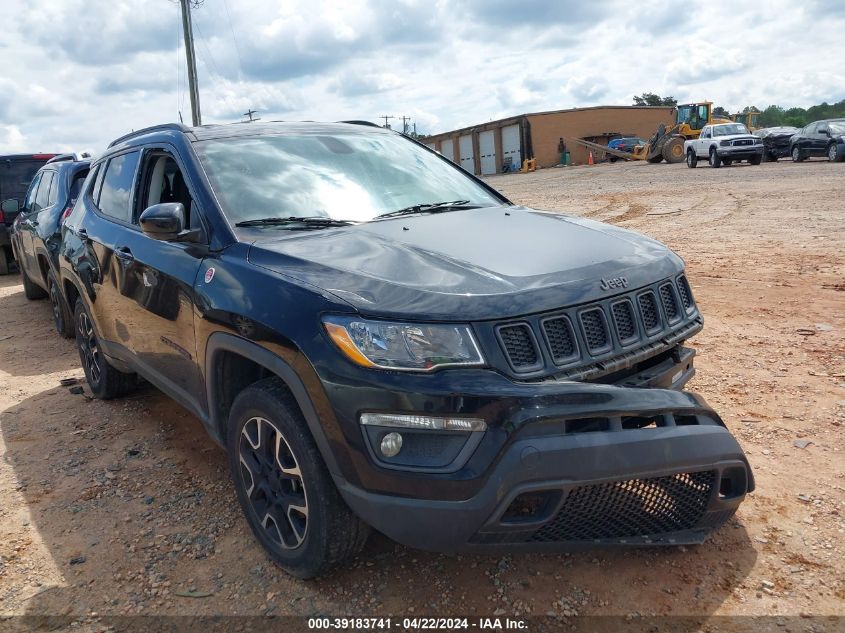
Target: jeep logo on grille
[615, 282]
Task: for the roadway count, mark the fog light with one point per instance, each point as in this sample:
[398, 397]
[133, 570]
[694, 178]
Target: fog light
[422, 422]
[391, 444]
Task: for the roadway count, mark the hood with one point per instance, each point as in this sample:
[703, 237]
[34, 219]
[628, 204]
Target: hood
[470, 264]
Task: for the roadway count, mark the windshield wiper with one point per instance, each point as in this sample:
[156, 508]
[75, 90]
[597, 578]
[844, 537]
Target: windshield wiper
[304, 222]
[428, 207]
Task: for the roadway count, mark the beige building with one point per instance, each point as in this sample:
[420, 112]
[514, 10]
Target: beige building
[500, 146]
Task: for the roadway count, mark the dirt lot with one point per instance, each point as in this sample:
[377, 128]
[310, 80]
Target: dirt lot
[125, 507]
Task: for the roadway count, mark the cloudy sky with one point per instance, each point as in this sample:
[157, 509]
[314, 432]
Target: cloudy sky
[76, 73]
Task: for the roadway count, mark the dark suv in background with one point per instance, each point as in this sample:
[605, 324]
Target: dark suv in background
[380, 339]
[36, 232]
[16, 172]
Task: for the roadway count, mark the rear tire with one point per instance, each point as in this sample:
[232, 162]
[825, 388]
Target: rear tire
[692, 159]
[727, 162]
[284, 488]
[30, 290]
[105, 381]
[62, 318]
[5, 258]
[714, 160]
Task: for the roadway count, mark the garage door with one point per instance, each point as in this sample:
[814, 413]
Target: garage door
[487, 151]
[447, 148]
[467, 155]
[511, 148]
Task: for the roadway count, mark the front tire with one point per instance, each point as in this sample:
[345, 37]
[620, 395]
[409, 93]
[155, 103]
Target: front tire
[692, 159]
[673, 150]
[756, 160]
[62, 318]
[104, 380]
[796, 155]
[284, 488]
[833, 154]
[714, 159]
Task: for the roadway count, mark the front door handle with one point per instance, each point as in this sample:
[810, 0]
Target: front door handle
[124, 253]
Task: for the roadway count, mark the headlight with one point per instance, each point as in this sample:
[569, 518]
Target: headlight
[724, 143]
[403, 346]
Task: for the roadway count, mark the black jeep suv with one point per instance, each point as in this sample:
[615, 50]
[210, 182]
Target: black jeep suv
[36, 232]
[380, 339]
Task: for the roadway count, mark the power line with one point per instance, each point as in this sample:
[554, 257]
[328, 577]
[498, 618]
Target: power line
[234, 40]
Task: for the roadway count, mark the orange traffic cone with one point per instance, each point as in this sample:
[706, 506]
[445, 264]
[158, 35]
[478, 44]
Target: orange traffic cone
[590, 160]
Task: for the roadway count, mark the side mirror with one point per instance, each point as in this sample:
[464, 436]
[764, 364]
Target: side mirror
[165, 221]
[825, 131]
[10, 206]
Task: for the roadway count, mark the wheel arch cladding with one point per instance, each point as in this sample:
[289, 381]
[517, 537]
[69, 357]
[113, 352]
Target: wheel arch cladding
[229, 356]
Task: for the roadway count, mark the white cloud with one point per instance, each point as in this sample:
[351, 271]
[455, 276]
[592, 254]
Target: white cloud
[78, 73]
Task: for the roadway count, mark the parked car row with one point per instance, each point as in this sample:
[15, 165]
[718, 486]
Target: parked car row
[725, 143]
[380, 339]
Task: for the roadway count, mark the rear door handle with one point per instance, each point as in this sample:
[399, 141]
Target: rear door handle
[124, 253]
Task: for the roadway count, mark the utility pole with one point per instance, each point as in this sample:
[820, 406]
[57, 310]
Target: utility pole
[192, 62]
[405, 120]
[386, 117]
[249, 113]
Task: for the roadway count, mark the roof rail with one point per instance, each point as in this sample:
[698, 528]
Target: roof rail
[73, 156]
[358, 122]
[163, 126]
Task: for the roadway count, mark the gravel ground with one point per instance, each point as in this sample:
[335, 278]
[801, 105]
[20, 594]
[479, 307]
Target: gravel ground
[125, 507]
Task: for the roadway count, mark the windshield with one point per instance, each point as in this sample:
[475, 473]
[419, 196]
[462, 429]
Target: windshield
[350, 176]
[734, 128]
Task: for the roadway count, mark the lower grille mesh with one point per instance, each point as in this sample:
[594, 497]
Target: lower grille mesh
[637, 507]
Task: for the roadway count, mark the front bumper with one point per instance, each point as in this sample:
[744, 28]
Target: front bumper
[670, 485]
[741, 152]
[573, 453]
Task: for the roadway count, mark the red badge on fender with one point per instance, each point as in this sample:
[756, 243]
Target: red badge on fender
[209, 275]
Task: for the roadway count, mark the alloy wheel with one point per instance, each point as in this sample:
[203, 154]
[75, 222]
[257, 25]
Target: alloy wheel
[89, 347]
[832, 153]
[273, 483]
[57, 307]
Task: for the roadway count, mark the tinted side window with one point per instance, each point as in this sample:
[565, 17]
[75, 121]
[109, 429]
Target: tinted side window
[54, 190]
[29, 203]
[76, 186]
[94, 176]
[43, 191]
[116, 195]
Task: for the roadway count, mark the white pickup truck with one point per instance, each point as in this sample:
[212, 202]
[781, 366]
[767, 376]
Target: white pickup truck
[723, 144]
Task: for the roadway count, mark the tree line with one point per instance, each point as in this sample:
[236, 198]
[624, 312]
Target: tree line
[771, 116]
